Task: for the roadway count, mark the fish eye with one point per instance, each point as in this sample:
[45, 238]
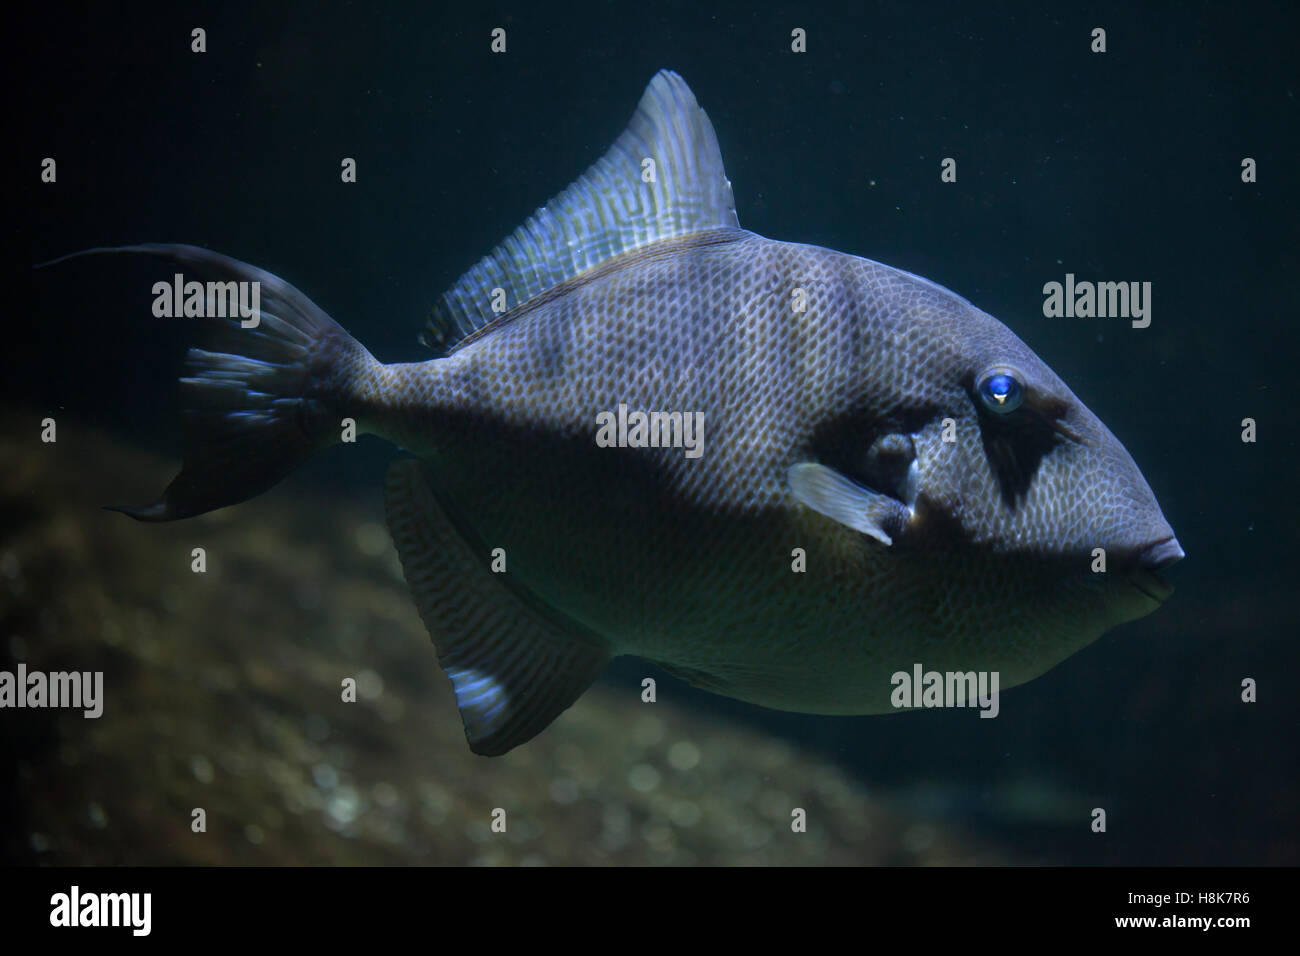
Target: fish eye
[1001, 390]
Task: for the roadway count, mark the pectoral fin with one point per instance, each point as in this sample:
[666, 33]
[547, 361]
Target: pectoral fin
[830, 493]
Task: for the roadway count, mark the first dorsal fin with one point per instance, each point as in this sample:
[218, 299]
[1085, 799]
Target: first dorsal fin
[621, 203]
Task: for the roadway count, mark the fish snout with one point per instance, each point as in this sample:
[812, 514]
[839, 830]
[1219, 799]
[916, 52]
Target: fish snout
[1148, 560]
[1161, 554]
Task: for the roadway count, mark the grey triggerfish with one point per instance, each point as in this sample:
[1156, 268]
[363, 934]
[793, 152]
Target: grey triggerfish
[781, 473]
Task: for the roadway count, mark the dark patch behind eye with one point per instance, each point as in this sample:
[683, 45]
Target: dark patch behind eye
[1016, 444]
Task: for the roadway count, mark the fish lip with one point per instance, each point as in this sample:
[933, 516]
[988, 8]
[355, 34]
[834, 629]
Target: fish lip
[1161, 554]
[1151, 584]
[1154, 557]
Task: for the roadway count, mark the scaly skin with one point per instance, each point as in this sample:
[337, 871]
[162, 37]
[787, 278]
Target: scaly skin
[689, 562]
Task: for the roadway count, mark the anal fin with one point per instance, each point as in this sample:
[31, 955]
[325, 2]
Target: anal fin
[515, 665]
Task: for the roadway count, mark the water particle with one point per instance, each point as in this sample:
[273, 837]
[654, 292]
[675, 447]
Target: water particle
[918, 838]
[643, 778]
[648, 731]
[372, 539]
[343, 805]
[202, 769]
[98, 818]
[564, 790]
[685, 813]
[325, 776]
[684, 755]
[316, 727]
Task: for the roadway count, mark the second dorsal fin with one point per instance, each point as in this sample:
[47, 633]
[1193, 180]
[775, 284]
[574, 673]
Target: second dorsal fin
[621, 203]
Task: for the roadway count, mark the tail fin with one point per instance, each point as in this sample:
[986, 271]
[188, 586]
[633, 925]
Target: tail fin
[258, 400]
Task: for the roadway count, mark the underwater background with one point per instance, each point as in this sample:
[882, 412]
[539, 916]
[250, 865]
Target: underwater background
[222, 689]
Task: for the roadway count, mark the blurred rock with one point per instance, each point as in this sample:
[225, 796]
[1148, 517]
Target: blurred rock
[222, 692]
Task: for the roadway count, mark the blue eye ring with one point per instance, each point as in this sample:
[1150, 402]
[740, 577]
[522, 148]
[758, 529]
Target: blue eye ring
[1001, 390]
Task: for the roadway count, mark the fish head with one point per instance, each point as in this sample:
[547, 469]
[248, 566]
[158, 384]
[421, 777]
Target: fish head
[1018, 466]
[1004, 485]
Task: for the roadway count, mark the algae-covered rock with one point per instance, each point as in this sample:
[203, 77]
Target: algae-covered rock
[223, 692]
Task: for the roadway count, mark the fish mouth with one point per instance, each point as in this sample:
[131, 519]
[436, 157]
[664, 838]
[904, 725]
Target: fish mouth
[1155, 557]
[1151, 584]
